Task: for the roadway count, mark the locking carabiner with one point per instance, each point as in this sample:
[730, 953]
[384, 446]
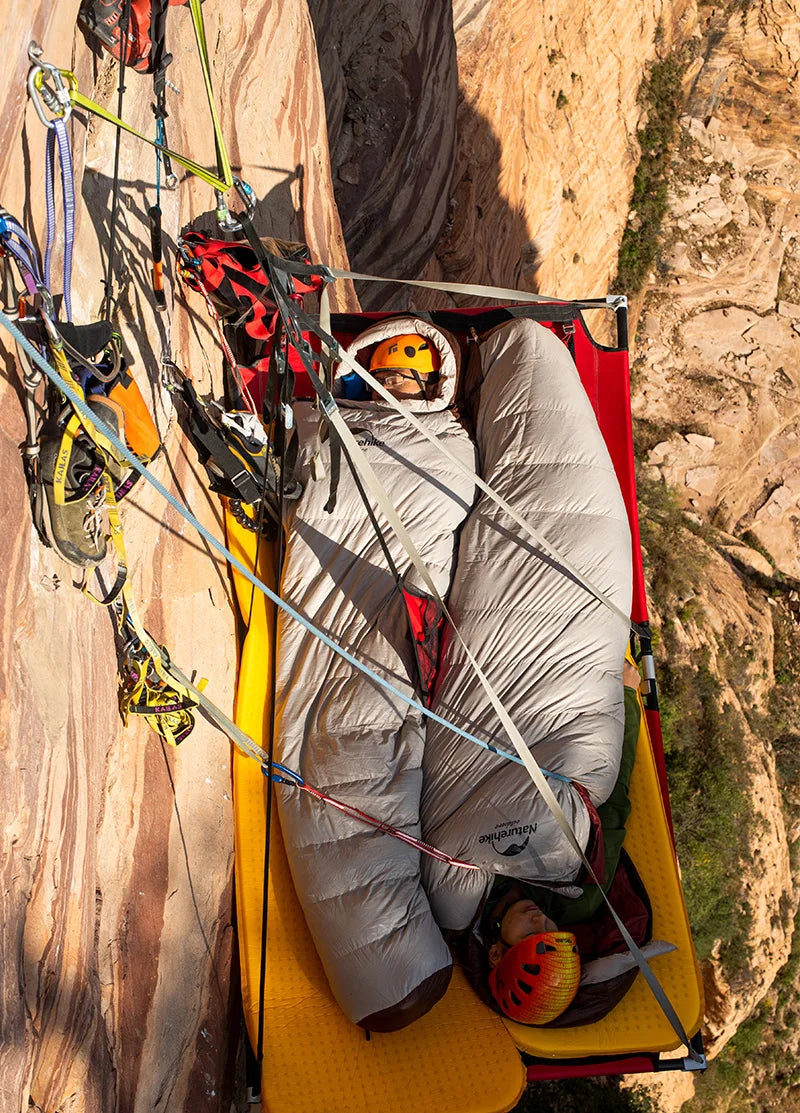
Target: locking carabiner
[227, 220]
[57, 98]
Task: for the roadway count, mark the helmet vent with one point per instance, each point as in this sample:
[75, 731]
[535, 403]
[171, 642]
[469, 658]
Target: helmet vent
[532, 968]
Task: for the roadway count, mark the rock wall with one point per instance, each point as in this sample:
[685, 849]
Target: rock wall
[117, 954]
[547, 122]
[116, 947]
[721, 338]
[717, 390]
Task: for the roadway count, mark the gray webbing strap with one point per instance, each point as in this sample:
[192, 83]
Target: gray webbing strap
[373, 484]
[494, 292]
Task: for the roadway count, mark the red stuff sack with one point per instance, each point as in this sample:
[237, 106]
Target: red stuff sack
[146, 25]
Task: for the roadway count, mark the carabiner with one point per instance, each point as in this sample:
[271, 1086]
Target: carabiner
[227, 220]
[58, 98]
[247, 194]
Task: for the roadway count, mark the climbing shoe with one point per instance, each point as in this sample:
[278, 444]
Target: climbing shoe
[73, 478]
[111, 414]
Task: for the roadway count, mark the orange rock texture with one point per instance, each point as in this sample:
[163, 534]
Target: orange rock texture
[476, 141]
[116, 940]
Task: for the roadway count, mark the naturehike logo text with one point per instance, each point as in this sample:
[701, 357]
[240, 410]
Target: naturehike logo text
[527, 829]
[369, 440]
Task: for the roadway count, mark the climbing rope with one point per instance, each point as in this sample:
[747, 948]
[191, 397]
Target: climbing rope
[530, 764]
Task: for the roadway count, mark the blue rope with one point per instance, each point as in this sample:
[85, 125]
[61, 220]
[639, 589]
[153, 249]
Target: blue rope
[92, 420]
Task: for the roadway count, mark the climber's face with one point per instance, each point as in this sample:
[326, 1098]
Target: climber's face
[520, 920]
[399, 382]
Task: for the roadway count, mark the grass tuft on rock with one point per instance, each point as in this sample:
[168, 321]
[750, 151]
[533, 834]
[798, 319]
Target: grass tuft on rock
[661, 94]
[703, 738]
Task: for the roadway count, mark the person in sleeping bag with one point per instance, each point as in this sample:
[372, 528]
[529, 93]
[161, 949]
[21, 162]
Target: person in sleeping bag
[549, 647]
[543, 957]
[383, 953]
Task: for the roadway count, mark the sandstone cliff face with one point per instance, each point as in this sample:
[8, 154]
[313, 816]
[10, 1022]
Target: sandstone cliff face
[116, 943]
[717, 363]
[547, 122]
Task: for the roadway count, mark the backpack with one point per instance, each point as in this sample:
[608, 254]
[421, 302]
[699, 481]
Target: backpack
[143, 47]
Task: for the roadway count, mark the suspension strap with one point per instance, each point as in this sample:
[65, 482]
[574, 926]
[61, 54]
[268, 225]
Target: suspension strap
[112, 235]
[234, 561]
[224, 172]
[58, 134]
[494, 293]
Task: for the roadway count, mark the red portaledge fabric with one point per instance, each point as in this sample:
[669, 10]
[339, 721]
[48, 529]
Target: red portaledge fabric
[595, 851]
[426, 620]
[635, 1064]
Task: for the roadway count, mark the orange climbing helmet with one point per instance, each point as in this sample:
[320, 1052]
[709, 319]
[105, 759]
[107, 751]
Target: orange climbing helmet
[537, 979]
[409, 352]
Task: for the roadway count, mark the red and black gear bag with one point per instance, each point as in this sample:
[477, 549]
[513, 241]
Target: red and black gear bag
[239, 288]
[238, 284]
[143, 46]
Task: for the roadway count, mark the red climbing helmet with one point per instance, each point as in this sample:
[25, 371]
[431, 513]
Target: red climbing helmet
[536, 980]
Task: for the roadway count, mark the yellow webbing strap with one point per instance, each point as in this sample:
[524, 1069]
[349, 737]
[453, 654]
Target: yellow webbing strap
[223, 165]
[223, 179]
[62, 460]
[80, 101]
[146, 686]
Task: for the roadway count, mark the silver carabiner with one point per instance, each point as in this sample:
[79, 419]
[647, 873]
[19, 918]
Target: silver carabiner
[227, 220]
[247, 194]
[57, 99]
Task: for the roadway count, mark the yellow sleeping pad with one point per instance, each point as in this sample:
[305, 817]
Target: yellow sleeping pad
[459, 1058]
[637, 1024]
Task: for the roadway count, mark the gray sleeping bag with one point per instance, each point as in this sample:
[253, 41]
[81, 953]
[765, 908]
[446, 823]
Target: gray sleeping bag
[360, 890]
[552, 652]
